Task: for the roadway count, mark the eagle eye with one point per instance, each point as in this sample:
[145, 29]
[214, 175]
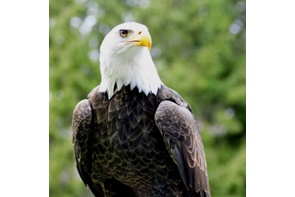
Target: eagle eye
[124, 33]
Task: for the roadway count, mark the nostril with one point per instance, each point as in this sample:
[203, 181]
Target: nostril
[139, 32]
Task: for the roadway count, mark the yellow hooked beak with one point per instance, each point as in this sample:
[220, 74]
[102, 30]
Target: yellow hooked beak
[140, 39]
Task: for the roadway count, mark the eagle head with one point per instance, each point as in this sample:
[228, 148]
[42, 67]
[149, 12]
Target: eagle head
[125, 59]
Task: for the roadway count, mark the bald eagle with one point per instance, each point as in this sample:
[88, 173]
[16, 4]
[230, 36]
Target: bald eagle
[134, 136]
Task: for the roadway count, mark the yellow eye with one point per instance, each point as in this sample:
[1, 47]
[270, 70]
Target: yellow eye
[123, 33]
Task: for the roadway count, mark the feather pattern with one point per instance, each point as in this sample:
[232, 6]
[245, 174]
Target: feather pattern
[124, 151]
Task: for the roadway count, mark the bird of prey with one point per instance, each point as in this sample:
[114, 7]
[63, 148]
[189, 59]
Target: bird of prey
[133, 136]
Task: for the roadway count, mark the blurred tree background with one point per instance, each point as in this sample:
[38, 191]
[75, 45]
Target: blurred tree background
[199, 50]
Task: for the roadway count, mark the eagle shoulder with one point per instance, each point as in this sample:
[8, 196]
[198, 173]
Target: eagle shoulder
[180, 132]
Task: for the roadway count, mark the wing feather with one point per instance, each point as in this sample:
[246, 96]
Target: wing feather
[180, 132]
[81, 127]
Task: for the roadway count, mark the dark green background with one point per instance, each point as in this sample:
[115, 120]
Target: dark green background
[199, 50]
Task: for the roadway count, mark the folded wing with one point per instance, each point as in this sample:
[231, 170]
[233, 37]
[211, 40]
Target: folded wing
[183, 141]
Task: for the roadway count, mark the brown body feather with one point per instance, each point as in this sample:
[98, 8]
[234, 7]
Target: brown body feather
[139, 145]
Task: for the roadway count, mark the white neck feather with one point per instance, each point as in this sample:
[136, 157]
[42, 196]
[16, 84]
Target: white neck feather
[137, 72]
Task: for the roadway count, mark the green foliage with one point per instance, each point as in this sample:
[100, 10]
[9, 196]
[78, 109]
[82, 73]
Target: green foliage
[199, 50]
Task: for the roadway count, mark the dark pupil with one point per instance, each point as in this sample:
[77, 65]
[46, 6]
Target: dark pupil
[123, 32]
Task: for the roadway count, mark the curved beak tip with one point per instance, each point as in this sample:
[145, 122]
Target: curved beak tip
[142, 40]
